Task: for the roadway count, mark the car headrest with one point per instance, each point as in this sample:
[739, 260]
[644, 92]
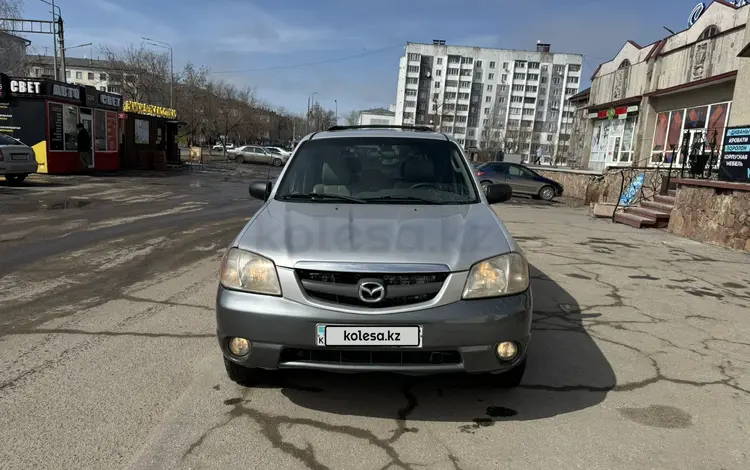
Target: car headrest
[335, 174]
[419, 170]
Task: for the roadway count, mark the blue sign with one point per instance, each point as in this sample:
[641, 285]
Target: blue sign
[695, 14]
[630, 194]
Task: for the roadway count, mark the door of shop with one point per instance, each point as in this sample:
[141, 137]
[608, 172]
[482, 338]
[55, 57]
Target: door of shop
[695, 140]
[87, 119]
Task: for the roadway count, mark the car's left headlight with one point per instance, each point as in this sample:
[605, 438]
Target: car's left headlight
[249, 272]
[502, 275]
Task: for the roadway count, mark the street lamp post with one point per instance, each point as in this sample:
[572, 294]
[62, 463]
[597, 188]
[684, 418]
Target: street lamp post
[337, 111]
[166, 45]
[309, 104]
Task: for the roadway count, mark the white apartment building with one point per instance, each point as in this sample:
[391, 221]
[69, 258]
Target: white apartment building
[490, 98]
[377, 116]
[79, 71]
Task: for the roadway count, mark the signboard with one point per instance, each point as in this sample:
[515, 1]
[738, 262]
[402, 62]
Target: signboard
[26, 87]
[141, 131]
[68, 92]
[149, 110]
[735, 157]
[3, 85]
[56, 129]
[110, 101]
[628, 197]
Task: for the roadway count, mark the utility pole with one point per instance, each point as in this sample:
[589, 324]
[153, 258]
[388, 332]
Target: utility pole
[54, 41]
[337, 112]
[62, 47]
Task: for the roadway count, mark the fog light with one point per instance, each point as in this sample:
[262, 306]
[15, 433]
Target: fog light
[239, 346]
[506, 350]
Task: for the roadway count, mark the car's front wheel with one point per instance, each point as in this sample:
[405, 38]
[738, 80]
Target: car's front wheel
[512, 378]
[239, 158]
[240, 375]
[547, 193]
[15, 179]
[277, 162]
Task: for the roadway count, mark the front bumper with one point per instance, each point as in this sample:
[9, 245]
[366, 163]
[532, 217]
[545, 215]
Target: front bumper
[277, 325]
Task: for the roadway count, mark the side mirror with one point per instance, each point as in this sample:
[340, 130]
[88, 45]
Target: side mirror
[497, 193]
[261, 189]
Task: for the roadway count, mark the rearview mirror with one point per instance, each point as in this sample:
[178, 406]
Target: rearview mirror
[499, 192]
[261, 189]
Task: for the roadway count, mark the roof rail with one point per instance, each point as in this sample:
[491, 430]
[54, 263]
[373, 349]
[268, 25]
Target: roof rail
[382, 126]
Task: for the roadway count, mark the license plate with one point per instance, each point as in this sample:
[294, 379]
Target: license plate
[19, 157]
[340, 335]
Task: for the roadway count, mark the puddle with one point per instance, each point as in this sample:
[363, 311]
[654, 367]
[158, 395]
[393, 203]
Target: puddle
[55, 206]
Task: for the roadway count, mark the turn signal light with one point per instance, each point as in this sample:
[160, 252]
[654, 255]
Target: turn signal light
[480, 173]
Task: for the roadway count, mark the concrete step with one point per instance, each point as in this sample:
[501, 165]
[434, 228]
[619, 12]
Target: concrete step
[657, 206]
[672, 192]
[666, 199]
[633, 220]
[661, 218]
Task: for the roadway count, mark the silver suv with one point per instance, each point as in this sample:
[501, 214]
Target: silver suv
[375, 250]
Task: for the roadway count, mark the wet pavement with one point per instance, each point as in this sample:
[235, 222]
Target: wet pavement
[108, 356]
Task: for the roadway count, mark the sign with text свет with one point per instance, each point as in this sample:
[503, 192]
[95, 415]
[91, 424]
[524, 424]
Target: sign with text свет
[149, 110]
[735, 158]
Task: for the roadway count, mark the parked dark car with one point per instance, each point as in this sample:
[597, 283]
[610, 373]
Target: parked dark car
[523, 180]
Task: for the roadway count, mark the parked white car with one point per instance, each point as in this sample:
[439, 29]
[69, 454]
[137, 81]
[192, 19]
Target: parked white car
[17, 160]
[278, 151]
[220, 147]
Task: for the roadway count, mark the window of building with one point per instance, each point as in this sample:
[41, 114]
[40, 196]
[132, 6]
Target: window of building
[102, 76]
[703, 124]
[516, 99]
[478, 64]
[486, 110]
[90, 75]
[438, 73]
[411, 92]
[529, 100]
[515, 111]
[461, 118]
[518, 87]
[473, 109]
[410, 104]
[528, 111]
[67, 73]
[451, 83]
[452, 72]
[79, 75]
[519, 76]
[464, 84]
[708, 33]
[491, 76]
[435, 96]
[463, 96]
[462, 107]
[474, 99]
[558, 69]
[492, 64]
[412, 81]
[450, 95]
[437, 84]
[530, 89]
[485, 121]
[467, 60]
[570, 91]
[466, 73]
[501, 99]
[533, 76]
[422, 94]
[488, 99]
[102, 88]
[520, 64]
[533, 65]
[489, 87]
[478, 76]
[574, 68]
[100, 130]
[573, 80]
[413, 56]
[413, 68]
[454, 59]
[440, 61]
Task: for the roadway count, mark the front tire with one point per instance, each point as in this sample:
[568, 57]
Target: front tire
[547, 193]
[15, 179]
[240, 375]
[277, 162]
[239, 159]
[512, 378]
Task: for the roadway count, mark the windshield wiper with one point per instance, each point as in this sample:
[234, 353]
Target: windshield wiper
[311, 196]
[402, 199]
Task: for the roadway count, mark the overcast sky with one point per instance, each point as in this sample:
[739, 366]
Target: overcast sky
[348, 50]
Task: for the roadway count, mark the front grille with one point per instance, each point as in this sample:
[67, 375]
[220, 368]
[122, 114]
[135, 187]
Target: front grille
[342, 287]
[381, 357]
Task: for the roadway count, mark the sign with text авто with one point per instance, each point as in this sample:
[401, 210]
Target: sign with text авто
[735, 155]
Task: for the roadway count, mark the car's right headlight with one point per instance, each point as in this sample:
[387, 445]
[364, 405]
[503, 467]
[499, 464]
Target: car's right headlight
[502, 275]
[249, 272]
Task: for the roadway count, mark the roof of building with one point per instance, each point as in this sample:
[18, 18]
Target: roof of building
[378, 111]
[14, 37]
[495, 48]
[582, 95]
[71, 62]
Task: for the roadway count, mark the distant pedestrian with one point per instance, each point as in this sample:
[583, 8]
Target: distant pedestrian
[84, 146]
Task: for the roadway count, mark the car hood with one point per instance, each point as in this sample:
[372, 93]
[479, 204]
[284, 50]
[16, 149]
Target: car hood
[455, 235]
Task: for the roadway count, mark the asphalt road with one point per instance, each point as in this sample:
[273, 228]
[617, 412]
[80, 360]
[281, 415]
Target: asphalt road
[108, 356]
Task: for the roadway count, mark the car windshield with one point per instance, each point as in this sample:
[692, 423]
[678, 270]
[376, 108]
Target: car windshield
[379, 171]
[7, 140]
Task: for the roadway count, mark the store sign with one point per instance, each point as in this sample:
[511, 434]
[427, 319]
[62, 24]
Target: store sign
[26, 87]
[150, 110]
[701, 7]
[735, 158]
[612, 113]
[109, 100]
[67, 92]
[629, 196]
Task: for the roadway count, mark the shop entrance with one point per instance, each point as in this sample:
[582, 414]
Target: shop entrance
[87, 119]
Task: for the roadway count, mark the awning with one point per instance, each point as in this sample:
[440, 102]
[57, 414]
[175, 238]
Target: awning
[724, 77]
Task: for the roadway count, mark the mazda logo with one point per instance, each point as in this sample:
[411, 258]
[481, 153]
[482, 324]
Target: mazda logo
[371, 290]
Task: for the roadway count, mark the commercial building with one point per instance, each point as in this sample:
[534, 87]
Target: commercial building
[377, 116]
[490, 98]
[79, 71]
[675, 93]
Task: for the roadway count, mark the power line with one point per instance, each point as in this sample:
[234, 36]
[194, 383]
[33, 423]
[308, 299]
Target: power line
[307, 64]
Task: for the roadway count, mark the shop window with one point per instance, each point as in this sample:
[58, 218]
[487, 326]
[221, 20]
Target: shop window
[100, 130]
[70, 121]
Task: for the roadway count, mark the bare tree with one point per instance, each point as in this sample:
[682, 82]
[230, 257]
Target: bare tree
[193, 103]
[321, 118]
[352, 118]
[12, 47]
[493, 134]
[143, 73]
